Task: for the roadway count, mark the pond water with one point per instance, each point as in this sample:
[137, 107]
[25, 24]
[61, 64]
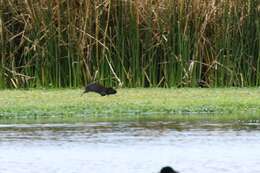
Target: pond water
[129, 147]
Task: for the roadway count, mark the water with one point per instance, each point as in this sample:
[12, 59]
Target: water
[130, 147]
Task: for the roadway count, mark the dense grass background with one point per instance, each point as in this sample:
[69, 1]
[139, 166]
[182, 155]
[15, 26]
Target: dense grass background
[54, 43]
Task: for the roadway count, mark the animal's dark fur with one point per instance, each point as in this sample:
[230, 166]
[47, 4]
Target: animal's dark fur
[168, 169]
[203, 84]
[100, 89]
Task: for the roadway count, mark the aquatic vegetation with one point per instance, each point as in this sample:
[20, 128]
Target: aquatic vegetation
[189, 104]
[131, 43]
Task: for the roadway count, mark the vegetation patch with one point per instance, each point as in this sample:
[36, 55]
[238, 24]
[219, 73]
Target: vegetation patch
[129, 104]
[131, 43]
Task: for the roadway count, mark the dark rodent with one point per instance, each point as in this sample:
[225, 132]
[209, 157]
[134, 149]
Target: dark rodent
[167, 169]
[100, 89]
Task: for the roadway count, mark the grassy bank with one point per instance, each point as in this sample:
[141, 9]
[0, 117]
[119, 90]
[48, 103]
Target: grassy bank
[178, 104]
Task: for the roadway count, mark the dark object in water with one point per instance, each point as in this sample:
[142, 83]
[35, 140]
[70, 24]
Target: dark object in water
[167, 169]
[100, 89]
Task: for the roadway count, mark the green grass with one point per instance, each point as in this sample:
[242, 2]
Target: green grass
[184, 104]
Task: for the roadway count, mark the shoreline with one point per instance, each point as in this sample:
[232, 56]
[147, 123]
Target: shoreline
[176, 104]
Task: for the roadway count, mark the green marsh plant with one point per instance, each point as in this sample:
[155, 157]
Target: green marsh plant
[130, 43]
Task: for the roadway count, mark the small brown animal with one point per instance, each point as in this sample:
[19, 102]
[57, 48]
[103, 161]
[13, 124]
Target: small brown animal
[100, 89]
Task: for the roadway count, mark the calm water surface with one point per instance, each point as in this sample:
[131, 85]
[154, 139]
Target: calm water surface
[132, 147]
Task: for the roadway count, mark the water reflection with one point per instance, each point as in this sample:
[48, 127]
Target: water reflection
[130, 147]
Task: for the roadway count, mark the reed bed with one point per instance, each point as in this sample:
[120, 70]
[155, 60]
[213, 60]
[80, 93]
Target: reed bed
[129, 43]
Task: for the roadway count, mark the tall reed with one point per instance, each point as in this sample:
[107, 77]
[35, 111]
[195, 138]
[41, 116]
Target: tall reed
[137, 43]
